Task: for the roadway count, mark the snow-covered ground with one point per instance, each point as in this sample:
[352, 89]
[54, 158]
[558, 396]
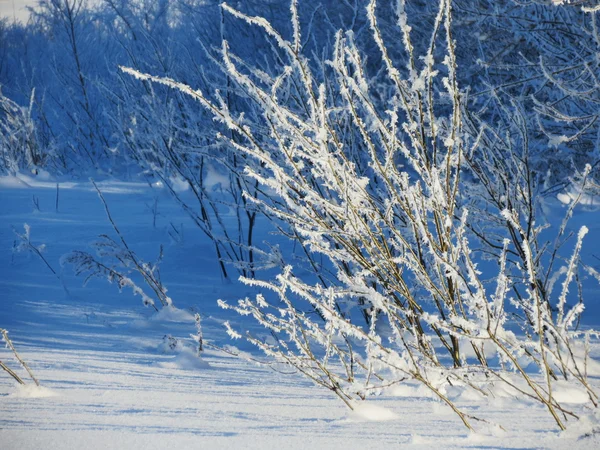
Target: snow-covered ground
[110, 379]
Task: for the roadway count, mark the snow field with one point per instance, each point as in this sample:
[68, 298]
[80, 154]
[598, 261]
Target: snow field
[110, 381]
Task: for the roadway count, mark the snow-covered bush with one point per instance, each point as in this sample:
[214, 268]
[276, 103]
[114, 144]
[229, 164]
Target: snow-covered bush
[167, 134]
[19, 146]
[94, 118]
[543, 56]
[396, 182]
[541, 53]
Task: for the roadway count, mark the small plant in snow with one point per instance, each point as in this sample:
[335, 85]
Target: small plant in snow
[115, 261]
[10, 345]
[23, 244]
[115, 264]
[19, 146]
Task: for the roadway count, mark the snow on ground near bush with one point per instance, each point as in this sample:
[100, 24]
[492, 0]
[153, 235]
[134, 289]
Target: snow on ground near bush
[111, 380]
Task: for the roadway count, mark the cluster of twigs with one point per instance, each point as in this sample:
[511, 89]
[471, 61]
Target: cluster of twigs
[115, 260]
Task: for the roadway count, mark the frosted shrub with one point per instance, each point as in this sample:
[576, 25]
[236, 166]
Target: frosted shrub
[116, 262]
[19, 148]
[547, 69]
[395, 192]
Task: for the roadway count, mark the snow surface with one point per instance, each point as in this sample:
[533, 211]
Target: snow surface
[110, 379]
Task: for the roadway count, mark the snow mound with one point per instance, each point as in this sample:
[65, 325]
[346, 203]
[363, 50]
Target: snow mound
[33, 391]
[12, 182]
[404, 390]
[364, 411]
[172, 314]
[178, 184]
[586, 431]
[586, 199]
[168, 314]
[502, 390]
[462, 393]
[565, 393]
[186, 359]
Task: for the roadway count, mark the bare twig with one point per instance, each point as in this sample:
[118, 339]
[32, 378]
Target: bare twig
[23, 363]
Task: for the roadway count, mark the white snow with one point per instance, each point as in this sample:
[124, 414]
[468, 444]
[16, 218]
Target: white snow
[565, 393]
[572, 194]
[370, 412]
[172, 314]
[33, 391]
[185, 359]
